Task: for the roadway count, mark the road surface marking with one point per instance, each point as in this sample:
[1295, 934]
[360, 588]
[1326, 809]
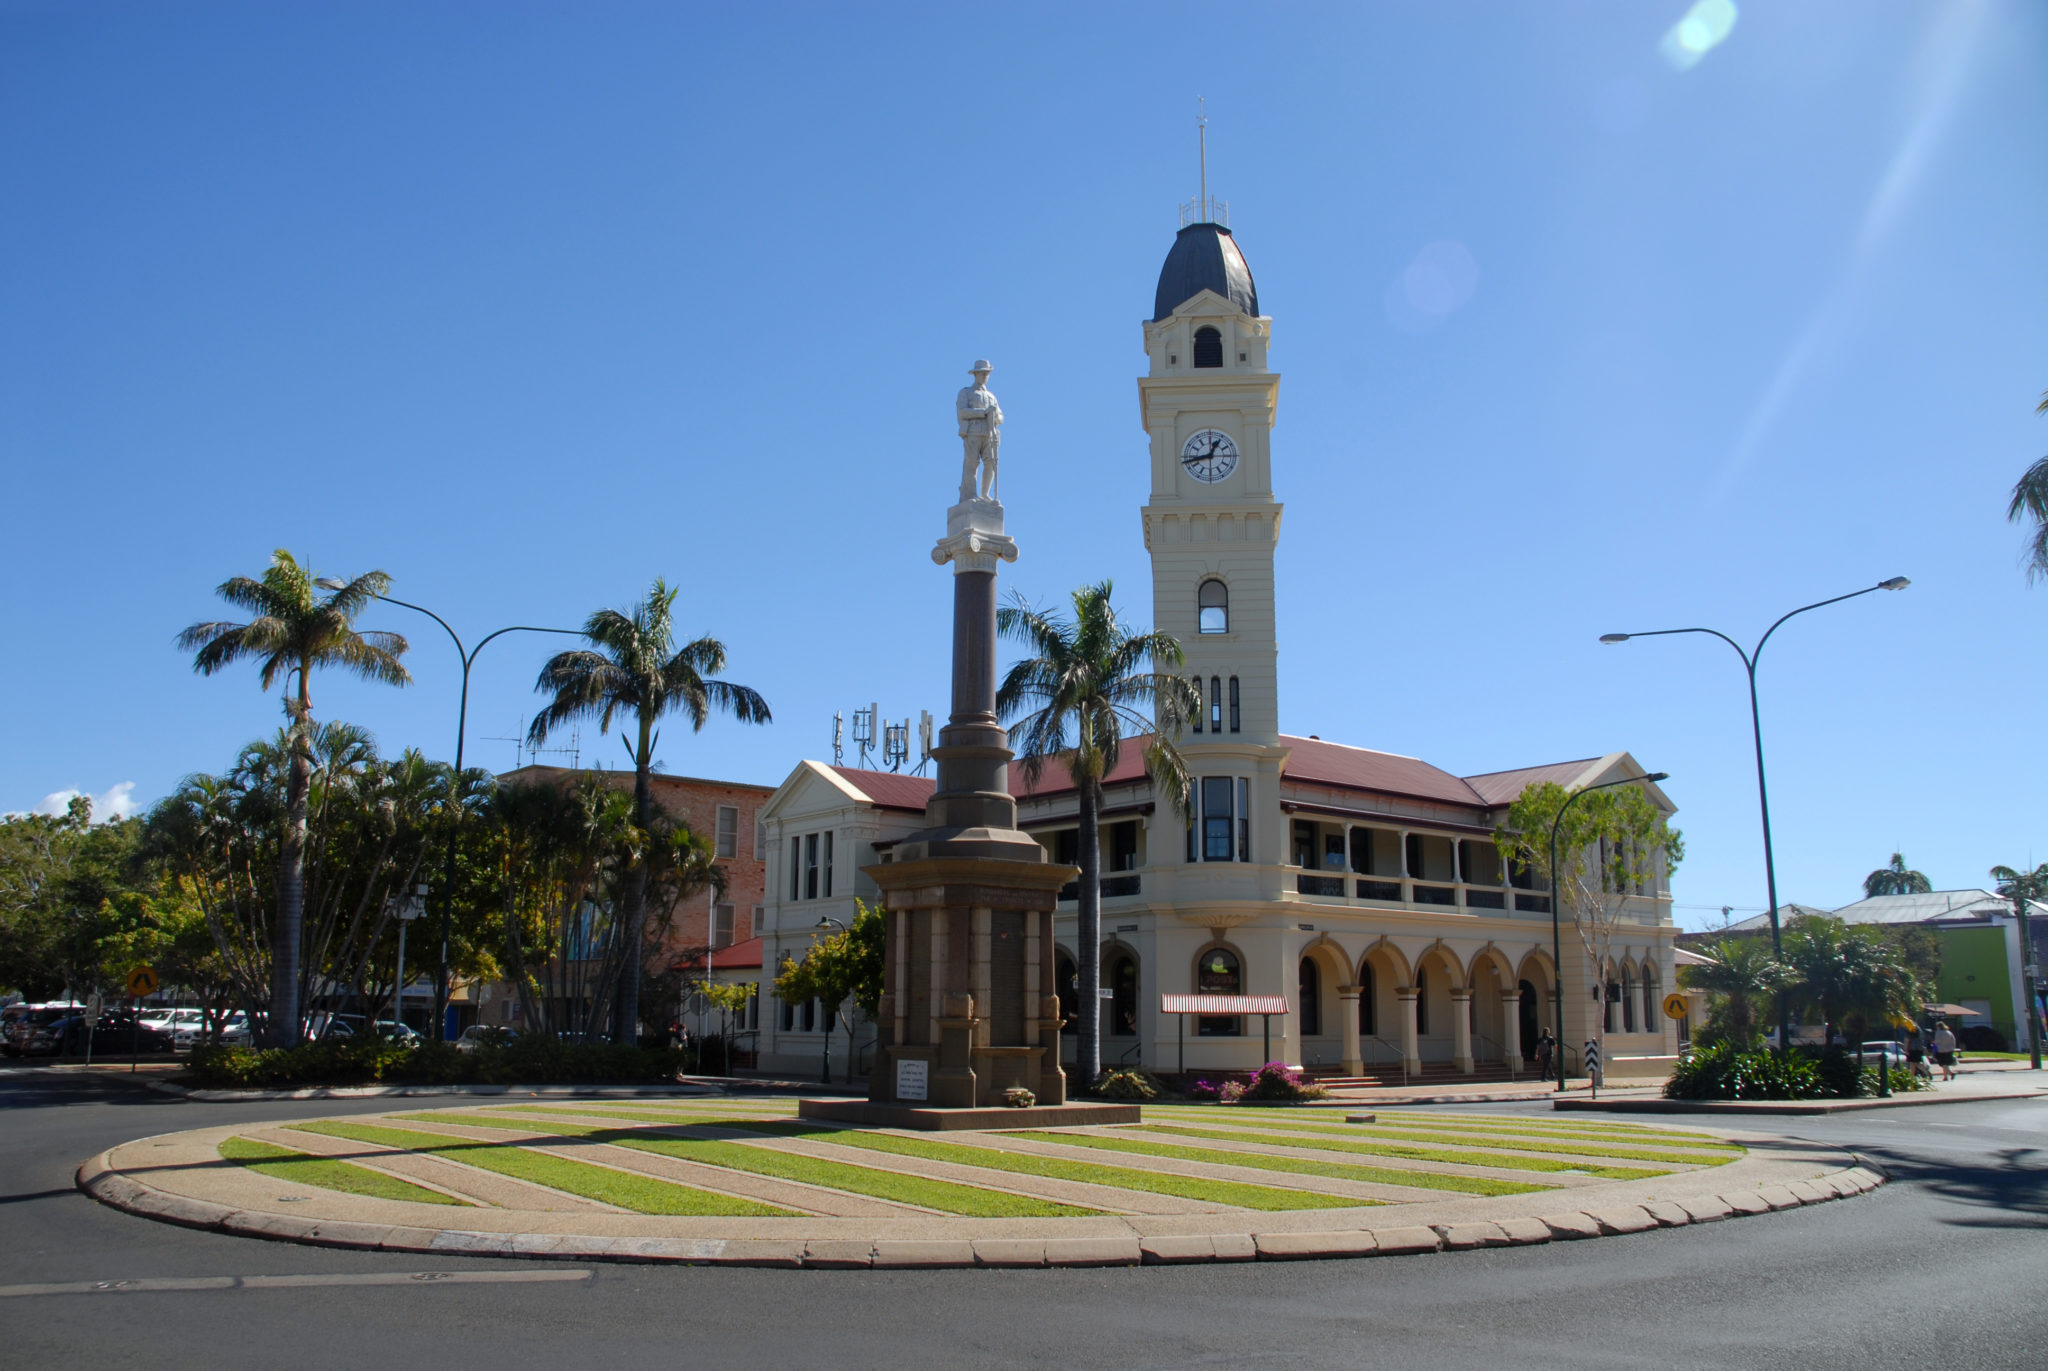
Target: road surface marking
[177, 1283]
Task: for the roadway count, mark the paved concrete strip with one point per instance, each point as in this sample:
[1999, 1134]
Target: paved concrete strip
[802, 1195]
[1366, 1191]
[500, 1191]
[1286, 1145]
[157, 1284]
[1108, 1196]
[436, 1173]
[1209, 1171]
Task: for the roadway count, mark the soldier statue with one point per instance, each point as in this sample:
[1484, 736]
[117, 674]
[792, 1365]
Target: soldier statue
[981, 434]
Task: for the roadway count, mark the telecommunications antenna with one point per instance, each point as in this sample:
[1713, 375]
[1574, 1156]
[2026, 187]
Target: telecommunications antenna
[838, 737]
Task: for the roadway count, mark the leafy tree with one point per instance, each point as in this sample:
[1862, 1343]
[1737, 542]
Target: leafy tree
[1084, 689]
[2030, 501]
[372, 828]
[565, 854]
[1895, 878]
[1849, 976]
[637, 670]
[843, 971]
[1743, 980]
[1609, 845]
[293, 631]
[71, 909]
[2025, 888]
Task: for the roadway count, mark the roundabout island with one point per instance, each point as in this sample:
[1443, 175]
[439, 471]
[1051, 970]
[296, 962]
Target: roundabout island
[746, 1182]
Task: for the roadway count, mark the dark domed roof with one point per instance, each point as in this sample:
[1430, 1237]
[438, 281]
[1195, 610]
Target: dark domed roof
[1204, 257]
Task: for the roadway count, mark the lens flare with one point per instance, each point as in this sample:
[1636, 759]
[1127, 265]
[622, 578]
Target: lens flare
[1705, 27]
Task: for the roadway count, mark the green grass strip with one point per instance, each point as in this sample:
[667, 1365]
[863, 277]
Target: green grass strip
[1716, 1156]
[1717, 1151]
[628, 1115]
[327, 1173]
[1317, 1143]
[641, 1194]
[1235, 1193]
[1626, 1135]
[944, 1196]
[1370, 1175]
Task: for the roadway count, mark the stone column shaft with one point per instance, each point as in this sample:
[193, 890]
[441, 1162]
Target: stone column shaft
[1461, 1030]
[1354, 1049]
[1411, 1048]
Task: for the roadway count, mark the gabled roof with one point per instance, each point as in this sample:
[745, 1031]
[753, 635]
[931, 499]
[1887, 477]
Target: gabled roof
[1313, 761]
[744, 956]
[888, 789]
[1504, 787]
[1933, 907]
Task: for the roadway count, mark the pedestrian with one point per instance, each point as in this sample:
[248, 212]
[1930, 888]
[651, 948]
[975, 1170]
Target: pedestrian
[1916, 1055]
[1945, 1050]
[1546, 1048]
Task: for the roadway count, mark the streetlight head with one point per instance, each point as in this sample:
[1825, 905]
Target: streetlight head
[331, 583]
[1614, 637]
[824, 922]
[1895, 583]
[1658, 776]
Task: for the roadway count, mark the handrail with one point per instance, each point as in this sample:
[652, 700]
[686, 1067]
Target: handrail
[1507, 1058]
[1399, 1055]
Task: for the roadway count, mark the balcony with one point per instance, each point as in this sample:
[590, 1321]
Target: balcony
[1349, 888]
[1120, 886]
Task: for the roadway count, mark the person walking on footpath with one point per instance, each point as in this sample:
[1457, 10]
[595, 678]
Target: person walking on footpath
[1916, 1055]
[1945, 1050]
[1546, 1048]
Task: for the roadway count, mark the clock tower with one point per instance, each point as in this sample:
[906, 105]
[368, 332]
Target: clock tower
[1207, 402]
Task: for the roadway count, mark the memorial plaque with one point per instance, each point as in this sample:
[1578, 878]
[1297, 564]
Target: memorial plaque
[913, 1080]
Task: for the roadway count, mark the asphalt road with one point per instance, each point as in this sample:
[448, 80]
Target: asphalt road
[1945, 1268]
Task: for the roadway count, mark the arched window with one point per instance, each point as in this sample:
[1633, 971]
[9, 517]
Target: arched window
[1233, 704]
[1208, 347]
[1421, 1003]
[1218, 972]
[1214, 601]
[1628, 1001]
[1368, 1021]
[1613, 998]
[1652, 1001]
[1066, 984]
[1197, 683]
[1215, 705]
[1311, 1005]
[1123, 995]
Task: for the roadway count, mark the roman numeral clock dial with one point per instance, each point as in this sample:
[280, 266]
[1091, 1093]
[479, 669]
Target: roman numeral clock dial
[1209, 455]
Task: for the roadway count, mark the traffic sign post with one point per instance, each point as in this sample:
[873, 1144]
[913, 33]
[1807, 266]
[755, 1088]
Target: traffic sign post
[141, 981]
[1592, 1057]
[1675, 1006]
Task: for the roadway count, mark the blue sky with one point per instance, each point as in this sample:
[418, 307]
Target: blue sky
[528, 304]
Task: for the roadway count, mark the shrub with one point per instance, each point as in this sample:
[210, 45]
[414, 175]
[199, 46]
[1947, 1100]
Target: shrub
[526, 1060]
[1202, 1088]
[1278, 1083]
[1230, 1092]
[1129, 1083]
[1721, 1072]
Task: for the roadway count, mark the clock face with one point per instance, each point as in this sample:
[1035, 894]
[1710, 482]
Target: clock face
[1209, 455]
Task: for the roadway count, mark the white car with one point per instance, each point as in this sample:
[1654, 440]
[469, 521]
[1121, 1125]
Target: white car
[234, 1032]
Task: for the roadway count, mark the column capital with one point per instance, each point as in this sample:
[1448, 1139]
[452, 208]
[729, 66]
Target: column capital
[1461, 992]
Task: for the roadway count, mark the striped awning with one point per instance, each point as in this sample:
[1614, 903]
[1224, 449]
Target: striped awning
[1223, 1004]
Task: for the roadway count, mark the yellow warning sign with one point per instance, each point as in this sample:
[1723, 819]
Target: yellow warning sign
[142, 981]
[1675, 1006]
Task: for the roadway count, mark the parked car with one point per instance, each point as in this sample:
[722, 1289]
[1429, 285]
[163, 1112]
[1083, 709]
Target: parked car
[114, 1034]
[29, 1020]
[478, 1034]
[353, 1025]
[1893, 1055]
[234, 1031]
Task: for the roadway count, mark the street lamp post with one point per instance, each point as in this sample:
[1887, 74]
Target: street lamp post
[1556, 893]
[827, 921]
[1763, 798]
[468, 656]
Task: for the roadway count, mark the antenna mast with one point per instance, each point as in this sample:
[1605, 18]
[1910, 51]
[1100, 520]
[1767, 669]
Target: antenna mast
[1202, 134]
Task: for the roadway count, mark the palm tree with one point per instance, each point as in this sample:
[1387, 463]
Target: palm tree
[2025, 888]
[1744, 977]
[293, 631]
[1092, 673]
[1895, 878]
[637, 669]
[1849, 974]
[2030, 500]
